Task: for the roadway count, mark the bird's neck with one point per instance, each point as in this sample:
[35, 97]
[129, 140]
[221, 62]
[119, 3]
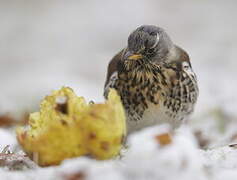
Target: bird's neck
[138, 69]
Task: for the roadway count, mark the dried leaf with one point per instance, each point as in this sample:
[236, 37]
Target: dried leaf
[74, 176]
[233, 146]
[203, 142]
[7, 120]
[164, 139]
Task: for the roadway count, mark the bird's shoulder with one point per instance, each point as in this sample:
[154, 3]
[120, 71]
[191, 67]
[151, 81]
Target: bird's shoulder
[178, 56]
[112, 66]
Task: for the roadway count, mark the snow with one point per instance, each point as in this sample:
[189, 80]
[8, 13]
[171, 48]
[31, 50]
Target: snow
[45, 45]
[145, 158]
[7, 138]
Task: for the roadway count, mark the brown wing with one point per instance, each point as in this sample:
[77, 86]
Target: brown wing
[112, 67]
[183, 55]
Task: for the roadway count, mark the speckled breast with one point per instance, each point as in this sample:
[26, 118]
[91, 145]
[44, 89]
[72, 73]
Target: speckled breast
[156, 95]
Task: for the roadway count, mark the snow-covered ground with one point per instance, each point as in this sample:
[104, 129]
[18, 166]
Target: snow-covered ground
[147, 159]
[47, 44]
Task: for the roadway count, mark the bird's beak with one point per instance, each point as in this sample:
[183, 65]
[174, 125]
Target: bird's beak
[135, 57]
[132, 56]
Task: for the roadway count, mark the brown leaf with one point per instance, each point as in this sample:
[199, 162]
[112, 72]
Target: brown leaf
[233, 146]
[203, 142]
[6, 121]
[164, 139]
[75, 176]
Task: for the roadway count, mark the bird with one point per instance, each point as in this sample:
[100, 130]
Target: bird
[154, 79]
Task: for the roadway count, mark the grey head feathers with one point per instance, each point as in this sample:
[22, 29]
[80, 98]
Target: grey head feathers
[150, 41]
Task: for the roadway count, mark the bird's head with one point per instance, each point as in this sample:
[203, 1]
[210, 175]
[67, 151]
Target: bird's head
[149, 43]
